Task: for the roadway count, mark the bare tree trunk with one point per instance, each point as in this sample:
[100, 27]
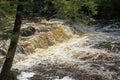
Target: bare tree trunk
[13, 44]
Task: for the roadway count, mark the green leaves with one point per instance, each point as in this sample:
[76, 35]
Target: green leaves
[75, 10]
[108, 9]
[70, 10]
[7, 14]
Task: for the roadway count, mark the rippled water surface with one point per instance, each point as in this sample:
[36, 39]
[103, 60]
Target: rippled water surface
[93, 53]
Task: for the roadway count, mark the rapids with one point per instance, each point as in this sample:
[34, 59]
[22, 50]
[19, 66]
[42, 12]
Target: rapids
[61, 52]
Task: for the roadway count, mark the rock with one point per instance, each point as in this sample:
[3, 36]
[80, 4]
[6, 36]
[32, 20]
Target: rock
[28, 31]
[98, 77]
[110, 46]
[2, 52]
[112, 27]
[114, 68]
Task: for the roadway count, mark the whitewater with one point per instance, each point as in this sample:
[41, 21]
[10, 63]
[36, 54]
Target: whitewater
[83, 53]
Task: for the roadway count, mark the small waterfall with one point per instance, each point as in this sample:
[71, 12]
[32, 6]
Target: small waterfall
[56, 53]
[45, 36]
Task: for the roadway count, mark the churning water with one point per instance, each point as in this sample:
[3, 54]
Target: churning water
[55, 52]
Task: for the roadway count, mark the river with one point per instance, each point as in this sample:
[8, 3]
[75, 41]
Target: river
[76, 52]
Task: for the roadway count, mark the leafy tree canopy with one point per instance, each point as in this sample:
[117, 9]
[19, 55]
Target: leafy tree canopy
[75, 10]
[7, 14]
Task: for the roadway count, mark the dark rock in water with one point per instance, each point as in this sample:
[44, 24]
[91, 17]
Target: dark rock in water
[20, 50]
[112, 27]
[28, 31]
[98, 77]
[114, 68]
[110, 46]
[2, 52]
[51, 72]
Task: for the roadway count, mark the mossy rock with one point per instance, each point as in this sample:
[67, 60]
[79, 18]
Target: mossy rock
[28, 31]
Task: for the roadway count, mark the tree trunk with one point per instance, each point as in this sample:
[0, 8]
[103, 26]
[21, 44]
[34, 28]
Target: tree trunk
[13, 44]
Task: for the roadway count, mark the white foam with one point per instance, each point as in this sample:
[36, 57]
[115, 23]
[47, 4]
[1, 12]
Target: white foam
[70, 51]
[29, 62]
[65, 78]
[25, 75]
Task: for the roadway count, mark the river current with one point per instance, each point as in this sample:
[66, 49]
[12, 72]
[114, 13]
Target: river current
[64, 52]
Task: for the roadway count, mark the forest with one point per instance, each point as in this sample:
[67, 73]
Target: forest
[59, 39]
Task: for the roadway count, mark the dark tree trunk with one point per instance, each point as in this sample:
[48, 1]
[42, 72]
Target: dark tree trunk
[13, 44]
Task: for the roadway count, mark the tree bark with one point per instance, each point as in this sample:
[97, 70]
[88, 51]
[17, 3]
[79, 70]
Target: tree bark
[5, 72]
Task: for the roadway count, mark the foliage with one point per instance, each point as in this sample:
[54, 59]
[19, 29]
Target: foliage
[7, 14]
[40, 8]
[75, 10]
[108, 9]
[70, 10]
[7, 17]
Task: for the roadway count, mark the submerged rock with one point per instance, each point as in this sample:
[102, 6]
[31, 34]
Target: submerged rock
[111, 28]
[2, 52]
[115, 27]
[110, 46]
[114, 68]
[98, 77]
[27, 31]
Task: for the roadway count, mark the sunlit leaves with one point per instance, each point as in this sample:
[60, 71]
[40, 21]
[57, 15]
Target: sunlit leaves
[75, 10]
[7, 14]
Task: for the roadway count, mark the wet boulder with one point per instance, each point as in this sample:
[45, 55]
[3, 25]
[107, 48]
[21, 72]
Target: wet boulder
[28, 31]
[2, 52]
